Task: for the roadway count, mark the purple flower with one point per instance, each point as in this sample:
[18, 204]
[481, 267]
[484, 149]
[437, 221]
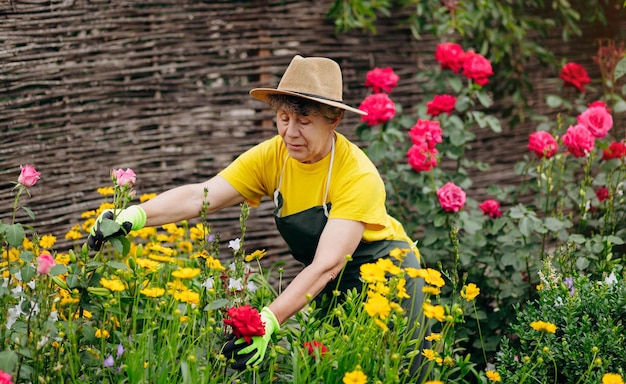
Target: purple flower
[570, 284]
[108, 362]
[120, 350]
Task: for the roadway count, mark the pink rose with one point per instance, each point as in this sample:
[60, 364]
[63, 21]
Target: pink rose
[450, 55]
[440, 104]
[575, 75]
[124, 178]
[579, 140]
[28, 176]
[602, 194]
[543, 144]
[491, 208]
[477, 68]
[451, 197]
[426, 131]
[45, 262]
[597, 120]
[379, 108]
[599, 104]
[381, 79]
[5, 378]
[422, 158]
[616, 150]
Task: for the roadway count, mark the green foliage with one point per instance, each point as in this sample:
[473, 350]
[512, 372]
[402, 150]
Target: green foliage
[589, 340]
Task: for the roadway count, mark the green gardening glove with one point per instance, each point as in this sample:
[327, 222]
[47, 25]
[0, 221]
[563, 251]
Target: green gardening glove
[253, 353]
[131, 218]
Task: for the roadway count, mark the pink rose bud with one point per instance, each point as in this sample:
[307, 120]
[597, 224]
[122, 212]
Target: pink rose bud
[491, 208]
[543, 144]
[45, 262]
[451, 197]
[28, 175]
[124, 178]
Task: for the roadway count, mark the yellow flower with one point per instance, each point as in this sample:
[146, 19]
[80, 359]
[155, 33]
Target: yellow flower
[148, 264]
[382, 325]
[434, 311]
[87, 214]
[186, 273]
[377, 305]
[188, 296]
[153, 292]
[402, 290]
[379, 288]
[372, 273]
[146, 232]
[470, 291]
[430, 276]
[87, 224]
[176, 285]
[66, 298]
[102, 334]
[431, 290]
[185, 246]
[398, 253]
[47, 241]
[434, 382]
[62, 258]
[74, 233]
[355, 377]
[493, 376]
[256, 255]
[198, 232]
[388, 266]
[543, 326]
[430, 354]
[112, 285]
[612, 378]
[105, 191]
[27, 244]
[433, 337]
[213, 263]
[146, 196]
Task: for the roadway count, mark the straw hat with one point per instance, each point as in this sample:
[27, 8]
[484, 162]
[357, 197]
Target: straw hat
[314, 78]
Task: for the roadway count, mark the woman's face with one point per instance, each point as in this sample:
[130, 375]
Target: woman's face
[307, 138]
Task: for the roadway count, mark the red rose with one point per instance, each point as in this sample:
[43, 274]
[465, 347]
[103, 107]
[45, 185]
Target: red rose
[245, 321]
[616, 150]
[28, 175]
[602, 194]
[451, 197]
[543, 144]
[597, 120]
[379, 108]
[491, 208]
[477, 68]
[381, 79]
[579, 140]
[314, 346]
[450, 55]
[575, 75]
[440, 104]
[422, 158]
[426, 131]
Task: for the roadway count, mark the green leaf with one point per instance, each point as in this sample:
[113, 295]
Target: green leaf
[526, 226]
[15, 234]
[27, 256]
[29, 213]
[72, 281]
[217, 304]
[484, 99]
[620, 69]
[554, 101]
[553, 224]
[58, 269]
[108, 227]
[28, 272]
[494, 124]
[8, 361]
[117, 265]
[582, 263]
[377, 151]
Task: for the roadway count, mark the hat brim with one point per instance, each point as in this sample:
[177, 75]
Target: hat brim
[262, 93]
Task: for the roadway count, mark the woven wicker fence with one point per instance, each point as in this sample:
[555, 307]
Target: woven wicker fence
[162, 87]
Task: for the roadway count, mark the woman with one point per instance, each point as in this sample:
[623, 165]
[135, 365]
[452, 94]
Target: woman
[330, 198]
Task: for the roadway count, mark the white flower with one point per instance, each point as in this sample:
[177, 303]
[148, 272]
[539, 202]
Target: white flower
[611, 279]
[54, 316]
[234, 284]
[251, 286]
[42, 342]
[235, 244]
[208, 284]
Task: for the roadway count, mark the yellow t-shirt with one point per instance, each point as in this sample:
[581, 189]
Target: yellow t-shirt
[356, 190]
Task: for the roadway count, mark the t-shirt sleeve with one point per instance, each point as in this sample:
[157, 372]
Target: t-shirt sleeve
[252, 173]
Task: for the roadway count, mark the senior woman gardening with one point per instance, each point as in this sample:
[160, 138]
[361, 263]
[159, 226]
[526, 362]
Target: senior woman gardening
[329, 197]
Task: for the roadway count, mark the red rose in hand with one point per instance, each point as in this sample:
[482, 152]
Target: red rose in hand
[543, 144]
[451, 197]
[245, 322]
[426, 131]
[491, 208]
[477, 68]
[579, 140]
[450, 55]
[28, 175]
[381, 79]
[575, 75]
[616, 150]
[440, 104]
[597, 120]
[422, 158]
[379, 108]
